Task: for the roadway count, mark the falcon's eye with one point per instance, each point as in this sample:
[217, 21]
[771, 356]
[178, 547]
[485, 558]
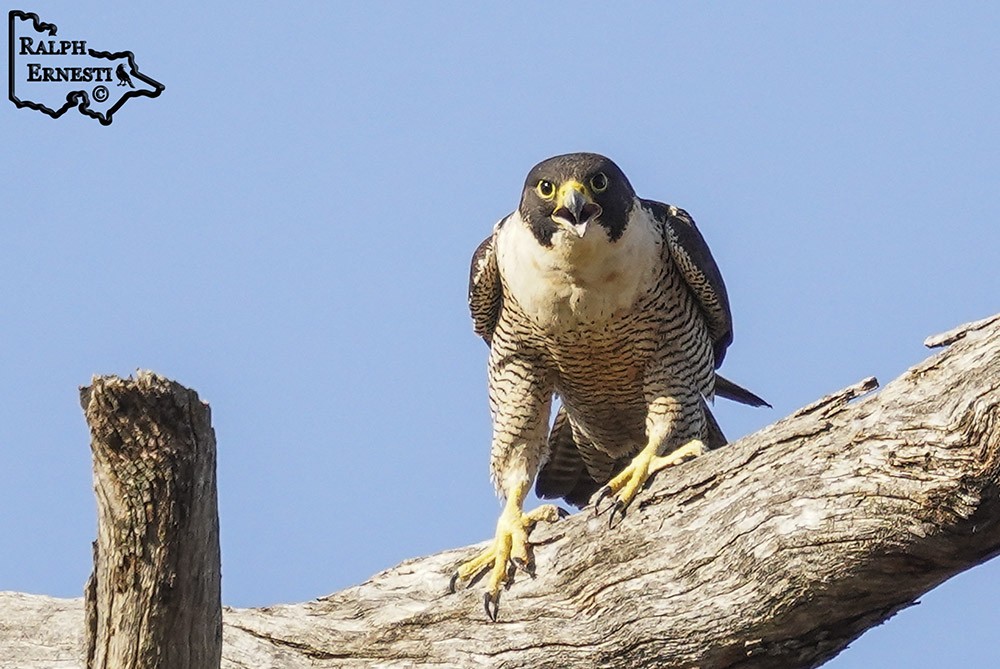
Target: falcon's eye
[546, 189]
[599, 182]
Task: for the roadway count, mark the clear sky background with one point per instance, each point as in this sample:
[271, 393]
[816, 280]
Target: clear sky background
[287, 230]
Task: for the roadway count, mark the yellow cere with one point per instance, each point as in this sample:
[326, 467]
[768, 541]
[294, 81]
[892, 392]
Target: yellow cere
[573, 184]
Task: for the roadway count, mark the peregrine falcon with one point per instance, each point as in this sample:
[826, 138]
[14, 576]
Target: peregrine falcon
[613, 304]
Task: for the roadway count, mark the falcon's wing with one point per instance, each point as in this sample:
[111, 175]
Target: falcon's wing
[485, 289]
[689, 250]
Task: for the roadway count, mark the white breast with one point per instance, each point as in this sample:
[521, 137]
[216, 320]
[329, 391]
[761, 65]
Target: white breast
[578, 280]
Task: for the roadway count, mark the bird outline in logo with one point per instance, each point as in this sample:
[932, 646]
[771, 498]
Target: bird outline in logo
[123, 78]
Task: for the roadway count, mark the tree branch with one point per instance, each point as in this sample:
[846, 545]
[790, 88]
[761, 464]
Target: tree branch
[776, 551]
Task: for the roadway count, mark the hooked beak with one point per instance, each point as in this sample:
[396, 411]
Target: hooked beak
[576, 208]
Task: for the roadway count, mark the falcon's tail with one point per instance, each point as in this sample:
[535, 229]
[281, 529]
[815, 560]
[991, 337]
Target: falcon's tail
[731, 391]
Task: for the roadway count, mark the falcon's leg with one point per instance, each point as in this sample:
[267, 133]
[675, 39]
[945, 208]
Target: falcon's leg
[669, 421]
[521, 398]
[509, 550]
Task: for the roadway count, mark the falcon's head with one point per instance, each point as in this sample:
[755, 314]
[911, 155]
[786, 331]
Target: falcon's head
[576, 192]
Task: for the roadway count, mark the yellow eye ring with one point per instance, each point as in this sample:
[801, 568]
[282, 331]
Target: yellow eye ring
[599, 182]
[545, 189]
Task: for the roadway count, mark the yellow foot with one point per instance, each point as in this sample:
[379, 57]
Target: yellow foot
[508, 552]
[627, 483]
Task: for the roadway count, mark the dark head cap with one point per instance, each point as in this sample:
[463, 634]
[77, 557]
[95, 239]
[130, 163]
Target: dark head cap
[574, 191]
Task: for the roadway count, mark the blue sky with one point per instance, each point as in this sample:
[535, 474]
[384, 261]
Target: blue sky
[287, 230]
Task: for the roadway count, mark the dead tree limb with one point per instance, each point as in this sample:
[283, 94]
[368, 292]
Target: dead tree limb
[776, 551]
[153, 599]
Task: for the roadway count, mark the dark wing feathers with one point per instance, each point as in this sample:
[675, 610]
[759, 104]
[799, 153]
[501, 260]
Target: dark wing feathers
[714, 438]
[692, 256]
[564, 474]
[485, 289]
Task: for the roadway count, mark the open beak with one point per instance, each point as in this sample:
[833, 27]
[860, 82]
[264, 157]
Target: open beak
[576, 207]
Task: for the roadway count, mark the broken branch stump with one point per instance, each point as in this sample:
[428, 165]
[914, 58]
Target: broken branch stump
[153, 600]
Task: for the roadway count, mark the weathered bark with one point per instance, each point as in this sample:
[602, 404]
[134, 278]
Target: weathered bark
[153, 599]
[775, 551]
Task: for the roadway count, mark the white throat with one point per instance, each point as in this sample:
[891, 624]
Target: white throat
[578, 280]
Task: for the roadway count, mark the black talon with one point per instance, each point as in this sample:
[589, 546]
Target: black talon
[495, 601]
[452, 582]
[527, 566]
[478, 576]
[618, 508]
[601, 496]
[561, 512]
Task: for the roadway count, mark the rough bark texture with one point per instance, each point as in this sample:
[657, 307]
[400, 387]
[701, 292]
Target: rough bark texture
[775, 551]
[153, 599]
